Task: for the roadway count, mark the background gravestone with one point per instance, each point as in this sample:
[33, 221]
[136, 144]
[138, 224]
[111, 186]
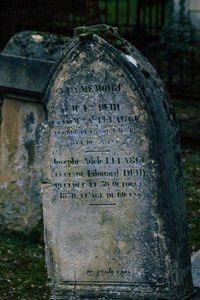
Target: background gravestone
[20, 204]
[36, 44]
[112, 186]
[20, 113]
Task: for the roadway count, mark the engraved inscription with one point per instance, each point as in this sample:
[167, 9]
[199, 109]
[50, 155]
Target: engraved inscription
[97, 174]
[92, 88]
[107, 273]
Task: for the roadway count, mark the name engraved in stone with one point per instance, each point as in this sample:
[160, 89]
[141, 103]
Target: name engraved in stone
[98, 160]
[106, 107]
[109, 107]
[93, 161]
[96, 173]
[113, 160]
[134, 172]
[95, 119]
[89, 107]
[92, 89]
[69, 162]
[112, 119]
[58, 123]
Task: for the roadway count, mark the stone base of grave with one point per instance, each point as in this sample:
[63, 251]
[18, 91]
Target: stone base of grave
[193, 296]
[92, 295]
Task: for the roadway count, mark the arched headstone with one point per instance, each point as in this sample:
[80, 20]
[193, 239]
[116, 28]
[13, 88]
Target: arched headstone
[113, 200]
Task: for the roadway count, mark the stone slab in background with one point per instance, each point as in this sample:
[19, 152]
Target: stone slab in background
[25, 64]
[23, 76]
[20, 205]
[36, 44]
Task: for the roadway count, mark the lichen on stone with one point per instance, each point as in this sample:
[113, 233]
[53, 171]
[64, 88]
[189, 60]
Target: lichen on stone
[108, 33]
[36, 44]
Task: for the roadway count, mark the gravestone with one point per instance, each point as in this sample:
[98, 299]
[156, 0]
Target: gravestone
[36, 44]
[20, 204]
[20, 113]
[112, 186]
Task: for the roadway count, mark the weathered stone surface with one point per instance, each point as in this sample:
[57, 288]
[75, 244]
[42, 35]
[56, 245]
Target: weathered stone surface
[112, 186]
[36, 44]
[20, 204]
[20, 112]
[23, 73]
[19, 75]
[196, 268]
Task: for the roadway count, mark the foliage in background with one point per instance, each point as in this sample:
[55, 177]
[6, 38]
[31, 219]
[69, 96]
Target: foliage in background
[188, 113]
[176, 37]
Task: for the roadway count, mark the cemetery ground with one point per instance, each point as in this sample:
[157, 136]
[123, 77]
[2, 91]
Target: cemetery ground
[22, 264]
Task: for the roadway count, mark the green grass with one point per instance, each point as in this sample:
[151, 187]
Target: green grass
[22, 269]
[191, 169]
[187, 110]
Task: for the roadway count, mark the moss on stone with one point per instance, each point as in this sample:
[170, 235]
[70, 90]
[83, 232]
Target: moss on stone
[145, 73]
[108, 33]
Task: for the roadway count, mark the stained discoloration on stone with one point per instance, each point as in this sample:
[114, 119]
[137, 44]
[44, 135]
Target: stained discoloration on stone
[112, 191]
[20, 205]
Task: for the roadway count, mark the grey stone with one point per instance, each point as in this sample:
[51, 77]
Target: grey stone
[25, 64]
[20, 203]
[112, 186]
[19, 75]
[196, 269]
[36, 44]
[21, 85]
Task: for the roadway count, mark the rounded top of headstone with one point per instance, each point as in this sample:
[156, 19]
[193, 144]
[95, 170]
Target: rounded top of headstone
[35, 44]
[108, 33]
[107, 38]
